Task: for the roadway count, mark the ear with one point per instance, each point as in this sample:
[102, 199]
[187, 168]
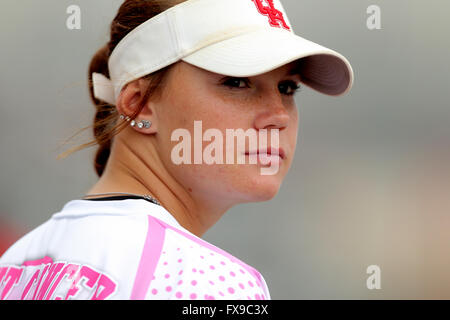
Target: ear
[130, 100]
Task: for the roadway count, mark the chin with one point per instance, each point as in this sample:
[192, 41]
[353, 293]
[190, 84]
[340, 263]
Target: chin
[262, 188]
[268, 193]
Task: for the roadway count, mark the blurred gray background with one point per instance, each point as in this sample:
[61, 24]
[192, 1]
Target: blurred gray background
[370, 184]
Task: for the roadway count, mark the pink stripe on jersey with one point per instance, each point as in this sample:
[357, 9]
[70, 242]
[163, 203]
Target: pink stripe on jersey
[149, 259]
[44, 260]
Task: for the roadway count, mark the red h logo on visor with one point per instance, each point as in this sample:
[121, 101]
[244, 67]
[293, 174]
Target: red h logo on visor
[276, 18]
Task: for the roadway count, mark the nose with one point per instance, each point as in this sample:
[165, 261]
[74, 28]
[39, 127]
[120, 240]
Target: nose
[272, 113]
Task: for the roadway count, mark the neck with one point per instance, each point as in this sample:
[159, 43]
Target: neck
[141, 171]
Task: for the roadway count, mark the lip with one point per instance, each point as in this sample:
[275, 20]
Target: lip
[268, 151]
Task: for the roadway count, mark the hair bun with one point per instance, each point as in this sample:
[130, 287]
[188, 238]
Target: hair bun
[130, 15]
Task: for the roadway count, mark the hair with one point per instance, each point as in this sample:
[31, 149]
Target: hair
[131, 14]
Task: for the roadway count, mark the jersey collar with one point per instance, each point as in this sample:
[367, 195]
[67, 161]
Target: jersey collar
[79, 207]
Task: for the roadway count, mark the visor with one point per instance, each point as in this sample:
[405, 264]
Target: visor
[239, 38]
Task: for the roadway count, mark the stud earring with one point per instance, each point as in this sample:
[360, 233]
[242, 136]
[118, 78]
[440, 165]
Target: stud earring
[122, 117]
[144, 123]
[141, 124]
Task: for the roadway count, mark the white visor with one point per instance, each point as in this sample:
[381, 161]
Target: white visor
[238, 38]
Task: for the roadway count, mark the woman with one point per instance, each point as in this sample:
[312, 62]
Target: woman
[169, 67]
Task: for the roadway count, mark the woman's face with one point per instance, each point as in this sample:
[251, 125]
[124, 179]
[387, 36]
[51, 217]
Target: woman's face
[220, 102]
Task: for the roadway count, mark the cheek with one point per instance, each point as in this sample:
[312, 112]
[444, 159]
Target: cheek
[215, 112]
[180, 111]
[294, 130]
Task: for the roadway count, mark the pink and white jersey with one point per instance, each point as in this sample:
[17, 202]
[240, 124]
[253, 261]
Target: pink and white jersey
[122, 249]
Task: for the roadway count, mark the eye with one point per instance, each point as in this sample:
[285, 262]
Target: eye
[289, 88]
[235, 83]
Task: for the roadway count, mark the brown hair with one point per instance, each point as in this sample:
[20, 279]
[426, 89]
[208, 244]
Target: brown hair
[131, 14]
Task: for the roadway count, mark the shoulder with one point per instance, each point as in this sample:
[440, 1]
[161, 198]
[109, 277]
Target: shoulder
[184, 266]
[91, 257]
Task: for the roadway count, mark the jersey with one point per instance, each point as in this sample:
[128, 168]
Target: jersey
[122, 249]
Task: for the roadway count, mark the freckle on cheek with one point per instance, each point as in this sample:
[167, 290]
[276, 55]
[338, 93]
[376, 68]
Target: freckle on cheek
[190, 189]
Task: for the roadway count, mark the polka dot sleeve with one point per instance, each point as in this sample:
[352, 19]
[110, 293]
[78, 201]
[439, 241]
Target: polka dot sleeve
[190, 268]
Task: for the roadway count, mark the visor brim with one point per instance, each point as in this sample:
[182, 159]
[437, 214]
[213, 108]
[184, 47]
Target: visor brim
[258, 52]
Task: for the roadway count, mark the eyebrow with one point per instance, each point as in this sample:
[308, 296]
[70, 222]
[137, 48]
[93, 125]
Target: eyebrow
[294, 70]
